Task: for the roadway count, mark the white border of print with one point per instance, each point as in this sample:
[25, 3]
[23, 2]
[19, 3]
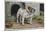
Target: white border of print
[2, 14]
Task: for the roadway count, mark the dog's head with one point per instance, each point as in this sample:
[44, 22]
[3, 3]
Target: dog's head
[30, 9]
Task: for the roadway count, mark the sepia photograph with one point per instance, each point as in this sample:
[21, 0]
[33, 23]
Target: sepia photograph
[24, 15]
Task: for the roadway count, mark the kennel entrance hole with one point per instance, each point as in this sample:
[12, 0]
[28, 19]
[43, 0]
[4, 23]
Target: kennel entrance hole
[14, 9]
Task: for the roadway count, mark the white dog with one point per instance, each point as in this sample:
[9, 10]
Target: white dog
[23, 13]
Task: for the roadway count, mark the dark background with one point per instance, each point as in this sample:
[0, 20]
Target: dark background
[42, 6]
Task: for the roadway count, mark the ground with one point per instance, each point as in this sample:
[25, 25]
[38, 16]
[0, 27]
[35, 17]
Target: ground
[16, 27]
[33, 25]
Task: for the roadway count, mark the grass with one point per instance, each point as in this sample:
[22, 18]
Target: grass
[39, 19]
